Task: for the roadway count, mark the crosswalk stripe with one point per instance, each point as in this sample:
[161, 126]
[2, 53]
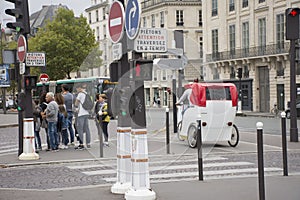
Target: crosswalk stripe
[172, 167]
[113, 164]
[206, 173]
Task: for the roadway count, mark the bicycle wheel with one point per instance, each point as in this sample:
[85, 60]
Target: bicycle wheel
[235, 137]
[192, 136]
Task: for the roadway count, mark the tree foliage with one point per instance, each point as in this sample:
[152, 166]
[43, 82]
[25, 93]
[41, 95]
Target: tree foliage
[66, 41]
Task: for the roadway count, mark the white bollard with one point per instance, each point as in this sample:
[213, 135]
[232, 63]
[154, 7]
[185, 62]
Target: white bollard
[28, 141]
[123, 161]
[140, 168]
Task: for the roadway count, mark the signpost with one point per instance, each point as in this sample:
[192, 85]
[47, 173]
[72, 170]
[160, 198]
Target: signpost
[116, 21]
[22, 48]
[132, 18]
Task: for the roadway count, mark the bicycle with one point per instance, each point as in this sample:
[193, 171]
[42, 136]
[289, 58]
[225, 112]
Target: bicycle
[275, 110]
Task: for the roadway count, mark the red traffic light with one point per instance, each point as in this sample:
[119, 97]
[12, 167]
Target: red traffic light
[293, 12]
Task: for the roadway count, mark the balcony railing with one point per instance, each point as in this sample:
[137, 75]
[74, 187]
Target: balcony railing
[249, 52]
[149, 3]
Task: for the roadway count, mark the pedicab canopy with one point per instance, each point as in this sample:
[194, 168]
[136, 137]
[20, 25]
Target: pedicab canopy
[203, 92]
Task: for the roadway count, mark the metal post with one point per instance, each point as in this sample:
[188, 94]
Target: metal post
[174, 103]
[260, 157]
[293, 93]
[100, 135]
[199, 146]
[167, 131]
[284, 146]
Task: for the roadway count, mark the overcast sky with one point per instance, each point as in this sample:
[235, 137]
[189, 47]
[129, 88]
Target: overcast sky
[78, 6]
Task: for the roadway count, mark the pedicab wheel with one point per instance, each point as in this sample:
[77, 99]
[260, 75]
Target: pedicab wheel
[192, 136]
[235, 137]
[179, 126]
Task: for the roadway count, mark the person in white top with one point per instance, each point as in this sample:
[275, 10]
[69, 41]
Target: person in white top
[83, 116]
[187, 93]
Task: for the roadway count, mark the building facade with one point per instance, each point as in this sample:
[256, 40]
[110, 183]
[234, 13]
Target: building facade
[249, 35]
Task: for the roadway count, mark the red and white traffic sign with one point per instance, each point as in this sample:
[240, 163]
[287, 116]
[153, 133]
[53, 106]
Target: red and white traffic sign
[116, 21]
[22, 48]
[44, 78]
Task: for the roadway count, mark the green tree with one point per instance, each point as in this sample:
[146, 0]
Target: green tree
[67, 41]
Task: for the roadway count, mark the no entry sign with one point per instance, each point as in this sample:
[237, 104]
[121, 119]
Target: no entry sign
[116, 21]
[22, 47]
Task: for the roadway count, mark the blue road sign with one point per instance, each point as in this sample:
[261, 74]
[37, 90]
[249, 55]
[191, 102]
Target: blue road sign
[4, 76]
[132, 18]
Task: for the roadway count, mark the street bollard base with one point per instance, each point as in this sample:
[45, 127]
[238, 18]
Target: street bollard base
[29, 156]
[120, 188]
[145, 194]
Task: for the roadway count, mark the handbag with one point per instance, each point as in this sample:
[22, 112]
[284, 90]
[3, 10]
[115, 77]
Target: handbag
[44, 124]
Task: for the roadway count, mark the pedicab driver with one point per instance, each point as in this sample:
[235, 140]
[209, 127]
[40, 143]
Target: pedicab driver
[186, 94]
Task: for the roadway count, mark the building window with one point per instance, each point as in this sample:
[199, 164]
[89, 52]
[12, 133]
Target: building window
[232, 39]
[246, 71]
[261, 1]
[232, 72]
[279, 33]
[179, 17]
[90, 18]
[231, 5]
[104, 31]
[214, 10]
[98, 33]
[215, 45]
[162, 19]
[215, 74]
[245, 38]
[164, 75]
[97, 16]
[103, 13]
[262, 35]
[280, 69]
[245, 4]
[153, 21]
[144, 22]
[201, 47]
[200, 17]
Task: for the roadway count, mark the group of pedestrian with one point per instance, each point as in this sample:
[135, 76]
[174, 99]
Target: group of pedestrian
[57, 112]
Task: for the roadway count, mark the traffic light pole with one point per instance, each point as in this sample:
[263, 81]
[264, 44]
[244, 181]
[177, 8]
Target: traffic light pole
[293, 93]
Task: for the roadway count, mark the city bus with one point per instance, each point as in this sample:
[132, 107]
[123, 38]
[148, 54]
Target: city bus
[94, 85]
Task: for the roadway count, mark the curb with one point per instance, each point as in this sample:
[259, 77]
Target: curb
[8, 125]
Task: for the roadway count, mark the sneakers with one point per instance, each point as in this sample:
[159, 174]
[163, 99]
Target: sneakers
[72, 144]
[80, 147]
[63, 147]
[88, 146]
[105, 144]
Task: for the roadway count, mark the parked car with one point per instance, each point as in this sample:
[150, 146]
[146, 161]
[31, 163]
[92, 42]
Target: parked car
[288, 111]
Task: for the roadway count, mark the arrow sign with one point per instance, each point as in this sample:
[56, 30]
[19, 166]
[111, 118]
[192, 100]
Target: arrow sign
[132, 18]
[116, 21]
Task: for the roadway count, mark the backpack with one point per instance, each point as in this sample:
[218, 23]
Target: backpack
[88, 104]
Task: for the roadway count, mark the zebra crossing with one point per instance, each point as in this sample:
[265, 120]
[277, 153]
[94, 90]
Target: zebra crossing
[179, 168]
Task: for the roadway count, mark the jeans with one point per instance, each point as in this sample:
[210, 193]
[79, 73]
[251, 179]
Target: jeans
[53, 136]
[64, 136]
[83, 127]
[70, 127]
[38, 143]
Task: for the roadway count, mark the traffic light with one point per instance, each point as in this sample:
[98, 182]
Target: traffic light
[240, 73]
[125, 94]
[20, 12]
[114, 72]
[292, 23]
[21, 101]
[30, 82]
[142, 70]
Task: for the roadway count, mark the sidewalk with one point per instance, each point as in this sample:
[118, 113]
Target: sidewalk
[276, 187]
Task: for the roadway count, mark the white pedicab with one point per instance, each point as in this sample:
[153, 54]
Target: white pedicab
[215, 105]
